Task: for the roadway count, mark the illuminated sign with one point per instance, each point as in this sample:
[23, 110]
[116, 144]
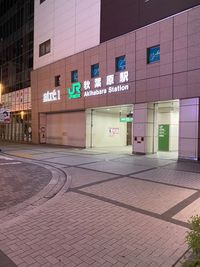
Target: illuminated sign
[75, 91]
[51, 96]
[94, 87]
[120, 63]
[126, 119]
[153, 54]
[110, 87]
[4, 115]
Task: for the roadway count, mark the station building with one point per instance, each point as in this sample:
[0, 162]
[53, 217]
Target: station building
[112, 73]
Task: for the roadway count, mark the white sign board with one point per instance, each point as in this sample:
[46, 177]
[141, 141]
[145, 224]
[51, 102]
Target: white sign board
[4, 115]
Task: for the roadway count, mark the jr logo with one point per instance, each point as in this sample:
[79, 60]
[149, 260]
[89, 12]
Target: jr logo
[75, 91]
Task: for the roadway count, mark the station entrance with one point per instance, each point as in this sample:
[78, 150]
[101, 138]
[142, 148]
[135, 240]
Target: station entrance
[109, 126]
[166, 126]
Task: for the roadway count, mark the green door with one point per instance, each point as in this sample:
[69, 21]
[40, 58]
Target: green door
[163, 137]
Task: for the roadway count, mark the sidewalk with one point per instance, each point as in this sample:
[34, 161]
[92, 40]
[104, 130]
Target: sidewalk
[119, 210]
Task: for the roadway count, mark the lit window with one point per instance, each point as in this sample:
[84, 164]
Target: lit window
[95, 70]
[45, 48]
[74, 76]
[120, 63]
[57, 80]
[153, 54]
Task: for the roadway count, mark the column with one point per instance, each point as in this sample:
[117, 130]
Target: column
[143, 128]
[189, 129]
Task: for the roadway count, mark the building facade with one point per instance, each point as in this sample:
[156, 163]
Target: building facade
[117, 73]
[16, 63]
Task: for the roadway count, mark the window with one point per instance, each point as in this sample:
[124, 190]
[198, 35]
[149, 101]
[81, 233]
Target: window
[95, 70]
[57, 80]
[153, 54]
[45, 48]
[120, 63]
[41, 1]
[74, 76]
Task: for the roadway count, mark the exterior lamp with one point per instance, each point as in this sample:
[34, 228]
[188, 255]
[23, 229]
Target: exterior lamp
[22, 115]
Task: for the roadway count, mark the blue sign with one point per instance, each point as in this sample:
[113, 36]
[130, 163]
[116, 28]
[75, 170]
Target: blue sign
[74, 76]
[153, 54]
[120, 63]
[95, 70]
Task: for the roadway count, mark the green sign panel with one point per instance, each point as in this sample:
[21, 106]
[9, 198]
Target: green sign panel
[163, 137]
[126, 119]
[75, 91]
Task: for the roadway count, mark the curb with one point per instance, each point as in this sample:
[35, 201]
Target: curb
[57, 182]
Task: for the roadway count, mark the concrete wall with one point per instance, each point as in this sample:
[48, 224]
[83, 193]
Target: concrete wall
[66, 129]
[72, 26]
[189, 134]
[143, 129]
[176, 76]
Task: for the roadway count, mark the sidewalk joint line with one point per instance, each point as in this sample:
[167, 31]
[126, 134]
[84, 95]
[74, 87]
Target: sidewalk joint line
[132, 208]
[85, 168]
[98, 182]
[163, 183]
[181, 205]
[145, 170]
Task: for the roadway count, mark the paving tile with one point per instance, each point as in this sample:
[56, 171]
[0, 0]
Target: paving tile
[144, 195]
[185, 166]
[189, 211]
[77, 230]
[144, 161]
[116, 229]
[115, 167]
[179, 178]
[71, 160]
[164, 155]
[82, 177]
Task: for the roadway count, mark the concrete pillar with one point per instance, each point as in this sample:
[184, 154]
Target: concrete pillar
[143, 128]
[189, 134]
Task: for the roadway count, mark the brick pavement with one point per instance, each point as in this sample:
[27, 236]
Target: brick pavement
[120, 210]
[74, 230]
[145, 195]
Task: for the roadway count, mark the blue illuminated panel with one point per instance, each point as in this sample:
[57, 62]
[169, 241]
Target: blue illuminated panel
[74, 76]
[153, 54]
[95, 70]
[120, 63]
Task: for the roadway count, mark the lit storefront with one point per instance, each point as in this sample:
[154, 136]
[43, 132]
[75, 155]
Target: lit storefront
[19, 126]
